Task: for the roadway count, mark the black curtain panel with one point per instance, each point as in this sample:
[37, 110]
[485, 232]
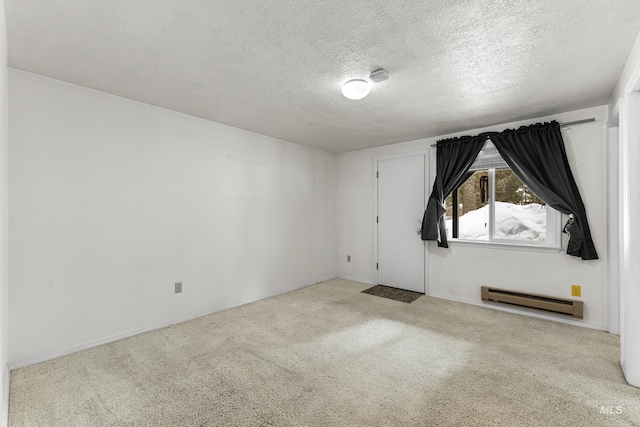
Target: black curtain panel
[454, 158]
[537, 156]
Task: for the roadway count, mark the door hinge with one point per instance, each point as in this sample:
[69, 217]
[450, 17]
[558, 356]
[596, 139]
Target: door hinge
[376, 265]
[377, 174]
[376, 220]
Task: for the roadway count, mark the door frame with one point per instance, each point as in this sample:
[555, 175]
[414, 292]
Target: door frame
[626, 109]
[426, 154]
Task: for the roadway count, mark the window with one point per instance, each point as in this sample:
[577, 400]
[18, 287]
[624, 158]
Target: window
[493, 205]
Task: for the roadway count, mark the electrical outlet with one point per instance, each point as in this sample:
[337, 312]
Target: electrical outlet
[348, 258]
[178, 287]
[575, 290]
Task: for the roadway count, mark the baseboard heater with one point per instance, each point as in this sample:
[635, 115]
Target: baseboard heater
[541, 303]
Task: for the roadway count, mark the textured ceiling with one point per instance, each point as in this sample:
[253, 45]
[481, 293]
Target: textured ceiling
[276, 67]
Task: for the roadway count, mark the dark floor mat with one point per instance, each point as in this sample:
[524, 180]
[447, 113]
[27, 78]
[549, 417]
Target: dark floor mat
[393, 293]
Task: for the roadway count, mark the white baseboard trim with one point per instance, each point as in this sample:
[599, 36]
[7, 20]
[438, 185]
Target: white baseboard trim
[355, 279]
[116, 337]
[523, 312]
[4, 422]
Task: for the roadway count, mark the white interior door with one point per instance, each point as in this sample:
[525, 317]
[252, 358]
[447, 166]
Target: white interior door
[401, 203]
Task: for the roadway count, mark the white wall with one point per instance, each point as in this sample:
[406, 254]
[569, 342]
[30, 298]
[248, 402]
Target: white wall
[629, 78]
[112, 201]
[458, 272]
[4, 333]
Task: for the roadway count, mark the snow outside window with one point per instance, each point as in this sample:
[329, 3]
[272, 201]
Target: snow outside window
[493, 205]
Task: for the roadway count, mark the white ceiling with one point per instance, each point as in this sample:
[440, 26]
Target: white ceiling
[276, 67]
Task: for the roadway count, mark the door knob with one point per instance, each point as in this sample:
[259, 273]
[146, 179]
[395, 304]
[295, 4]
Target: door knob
[419, 231]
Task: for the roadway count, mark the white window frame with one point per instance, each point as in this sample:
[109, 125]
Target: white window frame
[553, 238]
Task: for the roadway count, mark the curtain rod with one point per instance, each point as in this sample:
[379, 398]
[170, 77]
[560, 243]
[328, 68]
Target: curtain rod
[575, 122]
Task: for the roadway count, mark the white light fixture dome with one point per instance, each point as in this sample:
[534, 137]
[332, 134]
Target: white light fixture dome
[356, 89]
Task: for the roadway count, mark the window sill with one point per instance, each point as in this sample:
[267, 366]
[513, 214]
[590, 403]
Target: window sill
[504, 246]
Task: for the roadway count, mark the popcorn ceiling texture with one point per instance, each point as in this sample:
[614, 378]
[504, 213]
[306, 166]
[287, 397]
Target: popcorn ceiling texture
[330, 355]
[276, 67]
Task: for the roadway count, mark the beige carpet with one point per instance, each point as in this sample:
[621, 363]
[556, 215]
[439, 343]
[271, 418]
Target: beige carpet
[330, 355]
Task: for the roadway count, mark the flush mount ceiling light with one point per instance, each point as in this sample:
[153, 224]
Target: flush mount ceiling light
[356, 89]
[359, 88]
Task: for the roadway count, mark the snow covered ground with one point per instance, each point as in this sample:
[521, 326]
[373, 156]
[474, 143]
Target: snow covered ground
[513, 222]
